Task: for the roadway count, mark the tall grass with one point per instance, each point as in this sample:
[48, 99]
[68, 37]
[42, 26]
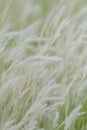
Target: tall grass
[43, 65]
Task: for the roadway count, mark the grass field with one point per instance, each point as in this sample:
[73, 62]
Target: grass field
[43, 64]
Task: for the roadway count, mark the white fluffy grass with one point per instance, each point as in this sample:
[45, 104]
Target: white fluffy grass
[43, 65]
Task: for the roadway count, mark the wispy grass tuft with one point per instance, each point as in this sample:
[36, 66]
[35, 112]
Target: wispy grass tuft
[43, 65]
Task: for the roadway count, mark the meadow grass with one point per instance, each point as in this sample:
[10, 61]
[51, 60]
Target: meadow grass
[43, 65]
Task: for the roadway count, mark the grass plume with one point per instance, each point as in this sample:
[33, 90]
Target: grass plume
[43, 65]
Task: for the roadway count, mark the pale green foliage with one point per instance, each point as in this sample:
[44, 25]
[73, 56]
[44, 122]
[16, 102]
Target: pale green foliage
[43, 64]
